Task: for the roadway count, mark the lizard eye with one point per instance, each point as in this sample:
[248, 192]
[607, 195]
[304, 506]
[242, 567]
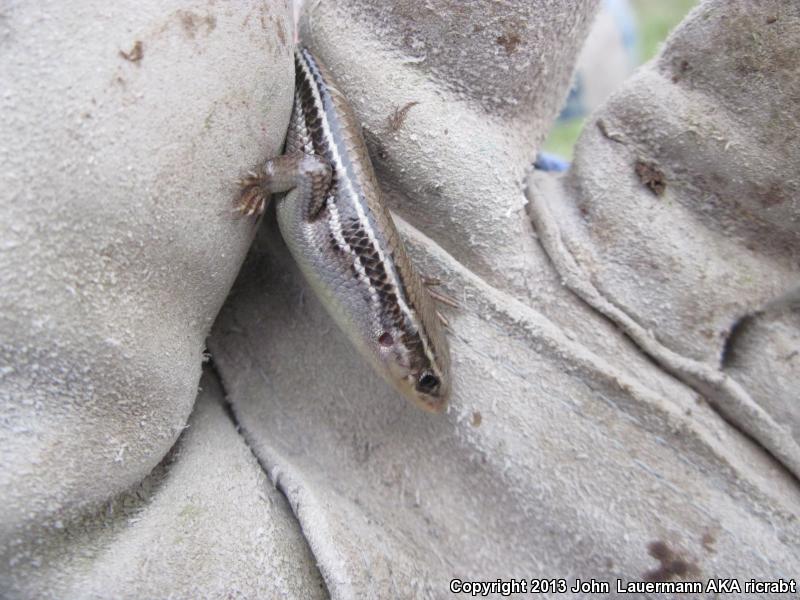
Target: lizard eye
[428, 383]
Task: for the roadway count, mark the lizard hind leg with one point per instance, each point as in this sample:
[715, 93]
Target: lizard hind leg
[309, 173]
[313, 180]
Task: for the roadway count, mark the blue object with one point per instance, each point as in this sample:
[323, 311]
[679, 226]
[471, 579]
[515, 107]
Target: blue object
[608, 57]
[620, 38]
[550, 162]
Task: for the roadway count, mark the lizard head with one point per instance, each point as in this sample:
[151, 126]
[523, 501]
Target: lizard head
[417, 368]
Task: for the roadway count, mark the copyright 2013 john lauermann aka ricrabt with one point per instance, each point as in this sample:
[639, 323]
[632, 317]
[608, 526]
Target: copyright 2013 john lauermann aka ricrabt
[508, 587]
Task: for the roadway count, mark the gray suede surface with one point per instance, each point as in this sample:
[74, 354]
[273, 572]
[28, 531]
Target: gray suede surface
[123, 131]
[625, 357]
[205, 523]
[677, 219]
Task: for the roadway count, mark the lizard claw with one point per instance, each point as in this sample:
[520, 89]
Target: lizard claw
[443, 298]
[253, 199]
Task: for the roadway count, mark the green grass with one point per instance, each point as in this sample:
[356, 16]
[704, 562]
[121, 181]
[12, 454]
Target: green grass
[563, 136]
[655, 19]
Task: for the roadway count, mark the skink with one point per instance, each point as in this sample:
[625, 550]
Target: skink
[341, 234]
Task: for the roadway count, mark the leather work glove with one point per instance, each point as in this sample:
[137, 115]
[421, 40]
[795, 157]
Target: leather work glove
[625, 353]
